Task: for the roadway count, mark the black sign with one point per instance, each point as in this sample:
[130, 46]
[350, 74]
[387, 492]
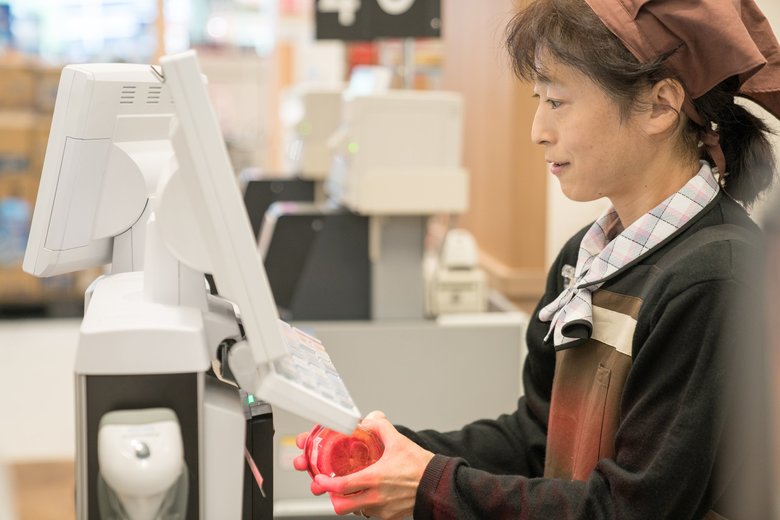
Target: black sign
[372, 19]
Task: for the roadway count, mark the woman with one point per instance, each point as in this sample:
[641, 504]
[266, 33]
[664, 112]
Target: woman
[630, 359]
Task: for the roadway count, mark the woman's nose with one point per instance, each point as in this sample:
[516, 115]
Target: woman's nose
[540, 129]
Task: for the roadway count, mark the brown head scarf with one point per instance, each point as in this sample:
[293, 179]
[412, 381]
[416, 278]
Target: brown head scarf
[712, 40]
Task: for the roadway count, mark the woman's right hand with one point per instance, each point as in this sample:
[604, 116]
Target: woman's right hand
[301, 462]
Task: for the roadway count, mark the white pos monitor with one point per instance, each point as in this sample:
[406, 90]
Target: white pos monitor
[127, 139]
[92, 190]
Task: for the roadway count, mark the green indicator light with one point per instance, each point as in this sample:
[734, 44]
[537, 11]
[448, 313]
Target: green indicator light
[250, 399]
[352, 147]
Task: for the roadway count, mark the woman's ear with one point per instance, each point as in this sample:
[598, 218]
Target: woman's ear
[666, 98]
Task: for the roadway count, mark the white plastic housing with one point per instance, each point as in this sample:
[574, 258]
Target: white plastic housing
[205, 173]
[220, 215]
[311, 116]
[140, 460]
[399, 153]
[459, 250]
[93, 184]
[455, 283]
[123, 332]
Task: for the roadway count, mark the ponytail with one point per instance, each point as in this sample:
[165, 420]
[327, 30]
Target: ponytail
[750, 161]
[744, 139]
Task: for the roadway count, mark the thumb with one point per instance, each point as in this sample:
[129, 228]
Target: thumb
[376, 414]
[379, 424]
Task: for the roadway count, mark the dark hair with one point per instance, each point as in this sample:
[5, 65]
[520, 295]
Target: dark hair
[573, 34]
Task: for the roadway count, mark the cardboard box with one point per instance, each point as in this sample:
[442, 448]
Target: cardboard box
[17, 136]
[40, 141]
[17, 200]
[14, 185]
[18, 287]
[17, 85]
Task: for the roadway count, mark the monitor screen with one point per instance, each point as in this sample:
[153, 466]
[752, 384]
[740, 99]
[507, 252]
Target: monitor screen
[291, 369]
[221, 216]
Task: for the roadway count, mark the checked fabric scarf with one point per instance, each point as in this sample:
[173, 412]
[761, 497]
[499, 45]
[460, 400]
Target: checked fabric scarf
[606, 248]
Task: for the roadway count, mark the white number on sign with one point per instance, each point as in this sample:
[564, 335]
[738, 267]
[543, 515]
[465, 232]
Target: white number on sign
[345, 8]
[395, 7]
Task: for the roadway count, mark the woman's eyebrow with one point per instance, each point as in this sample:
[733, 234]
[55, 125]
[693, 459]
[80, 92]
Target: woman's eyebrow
[543, 78]
[547, 78]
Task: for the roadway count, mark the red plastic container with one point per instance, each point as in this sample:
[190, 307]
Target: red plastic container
[335, 454]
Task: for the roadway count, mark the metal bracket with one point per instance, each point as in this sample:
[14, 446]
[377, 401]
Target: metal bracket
[158, 73]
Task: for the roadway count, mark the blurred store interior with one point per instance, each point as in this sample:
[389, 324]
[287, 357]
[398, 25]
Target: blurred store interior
[258, 55]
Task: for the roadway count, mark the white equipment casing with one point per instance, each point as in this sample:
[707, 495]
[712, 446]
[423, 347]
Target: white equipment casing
[69, 231]
[310, 115]
[399, 153]
[454, 281]
[148, 338]
[236, 265]
[453, 291]
[124, 333]
[224, 425]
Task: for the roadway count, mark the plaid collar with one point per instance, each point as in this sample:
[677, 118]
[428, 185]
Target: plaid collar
[606, 248]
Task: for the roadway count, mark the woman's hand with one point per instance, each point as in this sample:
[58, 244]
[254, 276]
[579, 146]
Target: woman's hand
[386, 489]
[301, 462]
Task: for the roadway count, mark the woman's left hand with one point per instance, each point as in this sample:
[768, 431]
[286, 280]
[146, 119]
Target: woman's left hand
[387, 489]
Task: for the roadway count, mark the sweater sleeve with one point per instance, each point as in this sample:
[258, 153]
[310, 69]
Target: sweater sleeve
[665, 448]
[514, 443]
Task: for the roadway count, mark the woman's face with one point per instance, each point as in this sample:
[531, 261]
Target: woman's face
[592, 151]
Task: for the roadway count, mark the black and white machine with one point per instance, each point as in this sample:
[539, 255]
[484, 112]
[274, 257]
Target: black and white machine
[137, 176]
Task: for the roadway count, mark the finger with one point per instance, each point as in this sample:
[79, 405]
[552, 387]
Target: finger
[300, 439]
[301, 463]
[343, 505]
[327, 484]
[382, 427]
[316, 489]
[376, 414]
[346, 485]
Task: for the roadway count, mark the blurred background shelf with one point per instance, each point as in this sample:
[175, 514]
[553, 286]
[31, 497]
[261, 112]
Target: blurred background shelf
[43, 490]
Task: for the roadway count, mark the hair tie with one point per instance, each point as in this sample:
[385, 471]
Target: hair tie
[711, 141]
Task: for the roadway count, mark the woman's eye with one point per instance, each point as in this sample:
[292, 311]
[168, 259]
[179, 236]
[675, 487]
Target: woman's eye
[554, 103]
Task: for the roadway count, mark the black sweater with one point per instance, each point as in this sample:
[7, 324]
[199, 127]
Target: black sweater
[660, 452]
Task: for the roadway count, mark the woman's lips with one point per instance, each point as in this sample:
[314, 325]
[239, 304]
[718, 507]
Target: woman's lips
[556, 167]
